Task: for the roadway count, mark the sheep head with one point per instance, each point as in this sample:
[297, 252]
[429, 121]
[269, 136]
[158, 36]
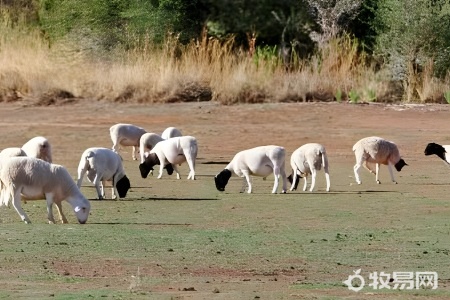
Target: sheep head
[150, 161]
[221, 179]
[401, 163]
[433, 148]
[122, 186]
[82, 211]
[291, 177]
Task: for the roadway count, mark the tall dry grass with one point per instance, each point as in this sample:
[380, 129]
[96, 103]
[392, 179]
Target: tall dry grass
[201, 70]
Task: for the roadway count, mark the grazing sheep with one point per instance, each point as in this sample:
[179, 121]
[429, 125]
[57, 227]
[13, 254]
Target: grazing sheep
[126, 135]
[103, 165]
[37, 179]
[439, 150]
[308, 159]
[170, 132]
[379, 151]
[147, 142]
[170, 153]
[12, 152]
[38, 147]
[259, 161]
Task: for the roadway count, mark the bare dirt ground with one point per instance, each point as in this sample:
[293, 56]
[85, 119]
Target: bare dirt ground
[223, 130]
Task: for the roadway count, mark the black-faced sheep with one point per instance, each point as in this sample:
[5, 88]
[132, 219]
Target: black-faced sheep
[308, 159]
[260, 161]
[377, 150]
[170, 153]
[103, 165]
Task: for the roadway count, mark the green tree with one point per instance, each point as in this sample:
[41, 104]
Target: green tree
[411, 34]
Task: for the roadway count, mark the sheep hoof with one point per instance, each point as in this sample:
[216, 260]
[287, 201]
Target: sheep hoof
[27, 221]
[283, 191]
[378, 182]
[395, 182]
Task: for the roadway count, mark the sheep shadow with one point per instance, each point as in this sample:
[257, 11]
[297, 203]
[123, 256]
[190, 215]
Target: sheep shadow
[139, 223]
[157, 199]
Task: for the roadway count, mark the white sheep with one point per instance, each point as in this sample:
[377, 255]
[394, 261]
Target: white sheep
[38, 147]
[436, 149]
[170, 153]
[170, 132]
[260, 161]
[147, 142]
[37, 179]
[379, 151]
[308, 159]
[126, 135]
[101, 165]
[12, 152]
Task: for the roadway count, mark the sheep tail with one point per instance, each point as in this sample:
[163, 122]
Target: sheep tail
[5, 195]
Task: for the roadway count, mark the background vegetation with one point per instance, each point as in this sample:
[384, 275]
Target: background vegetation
[229, 51]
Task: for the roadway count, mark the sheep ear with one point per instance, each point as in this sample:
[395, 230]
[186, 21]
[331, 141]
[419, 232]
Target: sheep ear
[146, 153]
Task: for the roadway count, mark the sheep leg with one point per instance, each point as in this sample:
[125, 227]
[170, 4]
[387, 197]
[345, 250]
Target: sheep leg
[276, 173]
[49, 198]
[175, 168]
[60, 212]
[135, 152]
[294, 179]
[114, 192]
[327, 178]
[244, 185]
[191, 163]
[305, 184]
[356, 169]
[99, 187]
[18, 207]
[377, 168]
[115, 146]
[284, 179]
[391, 173]
[246, 174]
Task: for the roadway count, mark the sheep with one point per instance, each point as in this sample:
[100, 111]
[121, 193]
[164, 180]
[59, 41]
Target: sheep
[101, 165]
[170, 132]
[126, 135]
[259, 161]
[12, 152]
[147, 142]
[38, 147]
[439, 150]
[379, 151]
[169, 153]
[308, 159]
[37, 179]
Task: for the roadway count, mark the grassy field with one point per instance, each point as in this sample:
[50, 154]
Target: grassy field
[179, 239]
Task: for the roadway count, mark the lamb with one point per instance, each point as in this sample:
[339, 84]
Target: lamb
[103, 165]
[308, 159]
[170, 132]
[37, 179]
[147, 142]
[38, 147]
[126, 135]
[259, 161]
[379, 151]
[170, 153]
[439, 150]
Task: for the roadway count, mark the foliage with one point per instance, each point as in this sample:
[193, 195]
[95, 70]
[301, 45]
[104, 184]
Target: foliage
[409, 33]
[107, 24]
[447, 96]
[354, 96]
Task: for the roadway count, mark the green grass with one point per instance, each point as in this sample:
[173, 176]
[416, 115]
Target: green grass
[311, 241]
